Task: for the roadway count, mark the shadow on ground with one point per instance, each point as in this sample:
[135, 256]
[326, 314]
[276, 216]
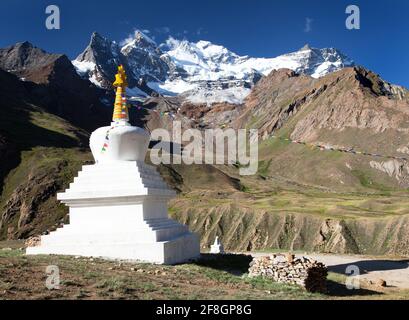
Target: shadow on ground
[337, 289]
[238, 264]
[366, 266]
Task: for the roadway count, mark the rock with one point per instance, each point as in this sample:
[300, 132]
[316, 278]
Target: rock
[286, 269]
[290, 258]
[381, 283]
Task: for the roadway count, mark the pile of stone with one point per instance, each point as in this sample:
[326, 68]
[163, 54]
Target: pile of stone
[308, 273]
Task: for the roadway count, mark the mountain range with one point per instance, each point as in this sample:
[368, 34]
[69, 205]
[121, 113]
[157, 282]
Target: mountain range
[200, 72]
[52, 81]
[347, 195]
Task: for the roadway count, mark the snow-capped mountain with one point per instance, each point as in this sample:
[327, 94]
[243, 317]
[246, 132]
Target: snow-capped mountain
[144, 59]
[201, 72]
[99, 61]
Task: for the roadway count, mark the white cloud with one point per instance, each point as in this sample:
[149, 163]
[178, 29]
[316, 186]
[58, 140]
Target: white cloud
[172, 42]
[201, 31]
[132, 36]
[162, 30]
[308, 25]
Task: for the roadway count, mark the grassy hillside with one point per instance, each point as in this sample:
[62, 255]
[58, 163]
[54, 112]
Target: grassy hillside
[40, 155]
[217, 278]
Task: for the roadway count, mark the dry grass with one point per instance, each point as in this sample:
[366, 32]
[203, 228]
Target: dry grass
[23, 277]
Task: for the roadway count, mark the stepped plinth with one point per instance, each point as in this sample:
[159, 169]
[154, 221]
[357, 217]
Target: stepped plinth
[118, 206]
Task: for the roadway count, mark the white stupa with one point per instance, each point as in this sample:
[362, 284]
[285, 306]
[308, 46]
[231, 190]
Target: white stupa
[217, 246]
[118, 206]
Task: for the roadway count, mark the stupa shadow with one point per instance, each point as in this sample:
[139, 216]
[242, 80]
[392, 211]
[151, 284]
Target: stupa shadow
[236, 264]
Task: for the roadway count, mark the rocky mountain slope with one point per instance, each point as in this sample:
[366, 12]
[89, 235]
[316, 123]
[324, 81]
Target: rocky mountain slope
[45, 112]
[202, 72]
[52, 82]
[332, 197]
[141, 59]
[247, 225]
[352, 110]
[39, 153]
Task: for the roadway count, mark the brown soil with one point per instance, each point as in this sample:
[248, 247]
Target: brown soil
[221, 277]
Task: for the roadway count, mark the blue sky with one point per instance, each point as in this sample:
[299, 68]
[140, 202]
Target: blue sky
[260, 28]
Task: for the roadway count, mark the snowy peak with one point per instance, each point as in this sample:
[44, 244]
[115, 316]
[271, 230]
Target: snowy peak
[99, 60]
[305, 48]
[145, 58]
[204, 59]
[213, 73]
[315, 62]
[311, 61]
[139, 41]
[201, 70]
[139, 55]
[197, 58]
[100, 48]
[215, 53]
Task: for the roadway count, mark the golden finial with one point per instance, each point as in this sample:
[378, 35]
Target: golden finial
[120, 78]
[120, 108]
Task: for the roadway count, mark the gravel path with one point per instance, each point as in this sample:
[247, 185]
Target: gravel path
[394, 272]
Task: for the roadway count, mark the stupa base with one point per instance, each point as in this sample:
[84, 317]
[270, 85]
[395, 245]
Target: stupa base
[118, 207]
[182, 248]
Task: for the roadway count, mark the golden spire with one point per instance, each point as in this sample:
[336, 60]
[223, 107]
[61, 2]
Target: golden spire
[120, 106]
